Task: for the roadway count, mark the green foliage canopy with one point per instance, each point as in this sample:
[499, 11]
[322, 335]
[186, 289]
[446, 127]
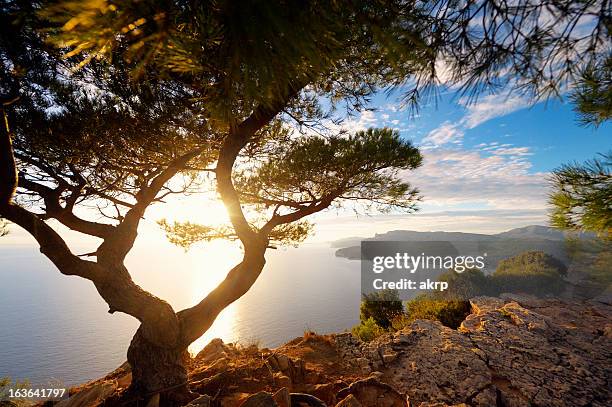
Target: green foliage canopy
[581, 197]
[381, 306]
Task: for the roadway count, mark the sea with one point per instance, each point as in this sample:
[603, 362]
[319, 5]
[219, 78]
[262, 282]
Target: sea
[57, 329]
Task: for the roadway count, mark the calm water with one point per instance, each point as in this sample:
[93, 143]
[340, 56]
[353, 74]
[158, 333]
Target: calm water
[54, 327]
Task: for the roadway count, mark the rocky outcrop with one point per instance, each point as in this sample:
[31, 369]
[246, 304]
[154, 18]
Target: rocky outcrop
[511, 351]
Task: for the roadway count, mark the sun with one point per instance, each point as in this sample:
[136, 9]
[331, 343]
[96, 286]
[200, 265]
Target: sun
[202, 208]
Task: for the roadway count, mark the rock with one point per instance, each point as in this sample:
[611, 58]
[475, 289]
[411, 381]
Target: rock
[91, 396]
[202, 401]
[282, 397]
[234, 399]
[389, 357]
[520, 351]
[261, 399]
[215, 349]
[283, 362]
[525, 352]
[282, 380]
[371, 392]
[312, 377]
[349, 401]
[484, 304]
[305, 400]
[325, 391]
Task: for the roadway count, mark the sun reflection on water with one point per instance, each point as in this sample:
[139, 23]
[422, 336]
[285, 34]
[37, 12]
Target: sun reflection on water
[212, 263]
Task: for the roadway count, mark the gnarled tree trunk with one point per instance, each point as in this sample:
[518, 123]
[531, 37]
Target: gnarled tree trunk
[158, 369]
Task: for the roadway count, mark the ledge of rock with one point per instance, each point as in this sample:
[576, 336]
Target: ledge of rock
[510, 351]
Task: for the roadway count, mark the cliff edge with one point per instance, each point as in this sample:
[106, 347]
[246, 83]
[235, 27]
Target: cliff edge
[510, 351]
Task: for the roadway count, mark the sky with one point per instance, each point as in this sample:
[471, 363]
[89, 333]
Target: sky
[485, 163]
[485, 167]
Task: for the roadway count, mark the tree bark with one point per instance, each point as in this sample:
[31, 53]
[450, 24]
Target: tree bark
[158, 369]
[8, 171]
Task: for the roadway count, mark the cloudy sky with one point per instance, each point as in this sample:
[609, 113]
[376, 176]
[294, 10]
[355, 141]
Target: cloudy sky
[485, 164]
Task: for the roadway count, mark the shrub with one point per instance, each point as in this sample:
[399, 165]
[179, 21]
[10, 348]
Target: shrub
[465, 285]
[532, 272]
[382, 306]
[531, 262]
[450, 312]
[5, 384]
[368, 330]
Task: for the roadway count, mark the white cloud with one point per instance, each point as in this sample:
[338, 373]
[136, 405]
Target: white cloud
[446, 133]
[489, 107]
[460, 177]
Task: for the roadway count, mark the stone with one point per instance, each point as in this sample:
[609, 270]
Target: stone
[283, 362]
[483, 304]
[215, 349]
[202, 401]
[234, 399]
[349, 401]
[523, 351]
[282, 397]
[90, 396]
[389, 357]
[519, 351]
[305, 400]
[282, 380]
[261, 399]
[371, 392]
[325, 391]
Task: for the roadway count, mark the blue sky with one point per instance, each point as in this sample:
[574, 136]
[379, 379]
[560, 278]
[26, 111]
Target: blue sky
[494, 153]
[485, 163]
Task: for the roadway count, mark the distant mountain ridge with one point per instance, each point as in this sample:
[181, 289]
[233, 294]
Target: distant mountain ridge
[526, 232]
[499, 245]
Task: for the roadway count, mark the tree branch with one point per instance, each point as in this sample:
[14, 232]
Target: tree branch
[118, 244]
[53, 209]
[235, 141]
[51, 244]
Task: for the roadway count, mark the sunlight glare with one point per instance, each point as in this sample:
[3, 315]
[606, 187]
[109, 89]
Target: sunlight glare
[213, 261]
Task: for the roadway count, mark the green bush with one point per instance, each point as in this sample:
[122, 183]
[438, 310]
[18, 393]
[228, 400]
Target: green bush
[382, 306]
[368, 330]
[450, 312]
[532, 272]
[465, 285]
[531, 262]
[5, 384]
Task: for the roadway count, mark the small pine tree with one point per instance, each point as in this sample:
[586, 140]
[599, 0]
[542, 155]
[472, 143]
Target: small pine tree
[382, 306]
